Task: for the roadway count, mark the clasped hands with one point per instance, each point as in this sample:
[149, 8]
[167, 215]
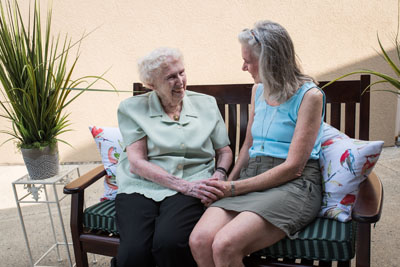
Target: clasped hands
[208, 190]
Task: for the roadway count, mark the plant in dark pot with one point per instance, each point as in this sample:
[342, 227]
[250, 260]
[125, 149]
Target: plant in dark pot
[36, 83]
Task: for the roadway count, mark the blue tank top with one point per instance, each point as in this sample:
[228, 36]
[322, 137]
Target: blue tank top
[273, 126]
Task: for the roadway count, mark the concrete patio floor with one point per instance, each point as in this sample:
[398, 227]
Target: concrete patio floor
[13, 251]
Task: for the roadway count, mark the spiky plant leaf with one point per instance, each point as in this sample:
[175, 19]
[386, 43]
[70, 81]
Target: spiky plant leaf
[36, 81]
[395, 82]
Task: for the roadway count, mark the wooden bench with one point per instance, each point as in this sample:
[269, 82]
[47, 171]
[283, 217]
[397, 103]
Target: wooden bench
[346, 109]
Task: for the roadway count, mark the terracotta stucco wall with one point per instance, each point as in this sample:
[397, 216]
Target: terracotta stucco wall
[331, 37]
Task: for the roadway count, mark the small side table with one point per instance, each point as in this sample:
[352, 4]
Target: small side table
[34, 189]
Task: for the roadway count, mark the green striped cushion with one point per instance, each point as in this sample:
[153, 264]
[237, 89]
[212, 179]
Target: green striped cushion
[324, 239]
[101, 217]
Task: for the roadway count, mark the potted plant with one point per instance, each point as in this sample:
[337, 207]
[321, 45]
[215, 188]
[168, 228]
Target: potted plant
[394, 81]
[384, 78]
[36, 81]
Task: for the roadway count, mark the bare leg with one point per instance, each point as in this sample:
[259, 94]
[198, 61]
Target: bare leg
[202, 236]
[246, 233]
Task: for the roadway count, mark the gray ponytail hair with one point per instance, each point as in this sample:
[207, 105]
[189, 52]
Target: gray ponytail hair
[278, 68]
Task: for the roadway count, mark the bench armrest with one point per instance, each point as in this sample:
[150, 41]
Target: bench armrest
[368, 206]
[80, 183]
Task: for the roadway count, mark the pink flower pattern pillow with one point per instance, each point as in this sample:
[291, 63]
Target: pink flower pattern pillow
[345, 163]
[109, 143]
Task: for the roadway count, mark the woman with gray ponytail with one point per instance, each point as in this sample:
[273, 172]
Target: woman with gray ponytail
[274, 190]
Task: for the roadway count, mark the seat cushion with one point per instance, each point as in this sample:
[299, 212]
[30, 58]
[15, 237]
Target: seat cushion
[101, 217]
[324, 239]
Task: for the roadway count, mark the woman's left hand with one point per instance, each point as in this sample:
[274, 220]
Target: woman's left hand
[224, 186]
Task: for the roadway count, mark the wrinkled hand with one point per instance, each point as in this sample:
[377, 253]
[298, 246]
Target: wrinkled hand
[204, 190]
[219, 175]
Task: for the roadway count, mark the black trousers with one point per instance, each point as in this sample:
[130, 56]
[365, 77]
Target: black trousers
[156, 233]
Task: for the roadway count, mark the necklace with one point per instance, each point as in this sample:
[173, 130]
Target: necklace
[175, 114]
[269, 126]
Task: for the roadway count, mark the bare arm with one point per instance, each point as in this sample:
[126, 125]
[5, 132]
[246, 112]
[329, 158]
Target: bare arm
[243, 157]
[224, 156]
[139, 164]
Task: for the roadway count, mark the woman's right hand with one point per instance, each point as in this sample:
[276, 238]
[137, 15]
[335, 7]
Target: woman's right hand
[201, 190]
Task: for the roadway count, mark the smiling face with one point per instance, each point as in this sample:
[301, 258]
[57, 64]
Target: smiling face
[170, 84]
[250, 63]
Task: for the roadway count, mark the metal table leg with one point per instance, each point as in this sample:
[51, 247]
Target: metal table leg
[21, 219]
[62, 225]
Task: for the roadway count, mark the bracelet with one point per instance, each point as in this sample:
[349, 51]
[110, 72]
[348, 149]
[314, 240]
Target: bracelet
[233, 189]
[221, 169]
[224, 174]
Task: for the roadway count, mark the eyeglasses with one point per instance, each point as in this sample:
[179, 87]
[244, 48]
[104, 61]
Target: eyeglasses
[255, 36]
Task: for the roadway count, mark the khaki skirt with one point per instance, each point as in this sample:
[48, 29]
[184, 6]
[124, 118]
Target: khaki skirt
[290, 206]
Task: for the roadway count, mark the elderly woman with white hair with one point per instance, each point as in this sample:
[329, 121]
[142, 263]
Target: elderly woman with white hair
[275, 187]
[171, 138]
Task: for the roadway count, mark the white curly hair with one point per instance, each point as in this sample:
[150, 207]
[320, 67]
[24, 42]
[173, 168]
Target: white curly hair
[151, 65]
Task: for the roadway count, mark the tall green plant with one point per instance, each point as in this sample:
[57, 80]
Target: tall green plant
[35, 77]
[394, 81]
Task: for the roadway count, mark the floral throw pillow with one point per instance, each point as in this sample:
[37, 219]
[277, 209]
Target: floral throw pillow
[345, 163]
[109, 143]
[331, 132]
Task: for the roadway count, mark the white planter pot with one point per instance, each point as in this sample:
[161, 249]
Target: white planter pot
[41, 163]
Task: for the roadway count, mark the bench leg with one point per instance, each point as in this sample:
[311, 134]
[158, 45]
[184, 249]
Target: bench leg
[363, 249]
[77, 229]
[81, 258]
